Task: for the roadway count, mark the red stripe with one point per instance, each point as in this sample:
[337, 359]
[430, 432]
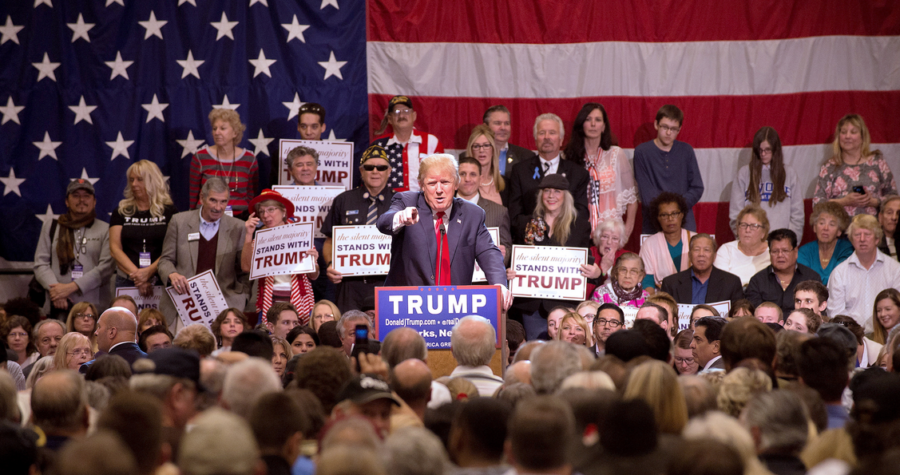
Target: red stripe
[710, 121]
[552, 21]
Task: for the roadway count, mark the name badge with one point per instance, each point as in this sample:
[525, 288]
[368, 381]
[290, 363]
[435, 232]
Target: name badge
[144, 259]
[77, 271]
[193, 237]
[229, 211]
[352, 212]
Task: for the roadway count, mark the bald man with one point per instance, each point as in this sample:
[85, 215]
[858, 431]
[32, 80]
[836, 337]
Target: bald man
[116, 335]
[411, 380]
[518, 372]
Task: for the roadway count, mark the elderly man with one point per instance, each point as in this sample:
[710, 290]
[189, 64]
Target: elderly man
[495, 215]
[204, 450]
[527, 174]
[411, 381]
[46, 337]
[776, 282]
[303, 165]
[705, 344]
[498, 119]
[552, 363]
[346, 327]
[245, 383]
[778, 422]
[403, 344]
[702, 282]
[407, 147]
[360, 206]
[116, 335]
[855, 282]
[888, 214]
[72, 260]
[59, 407]
[438, 238]
[473, 343]
[202, 240]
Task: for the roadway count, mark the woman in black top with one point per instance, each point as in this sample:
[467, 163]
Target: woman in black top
[138, 227]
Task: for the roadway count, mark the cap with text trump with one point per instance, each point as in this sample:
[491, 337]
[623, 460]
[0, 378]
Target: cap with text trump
[374, 151]
[366, 388]
[397, 100]
[79, 184]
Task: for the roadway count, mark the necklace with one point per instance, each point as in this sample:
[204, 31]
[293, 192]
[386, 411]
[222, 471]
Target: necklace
[230, 169]
[489, 183]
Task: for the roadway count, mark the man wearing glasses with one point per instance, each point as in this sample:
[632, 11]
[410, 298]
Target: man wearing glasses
[609, 320]
[776, 282]
[703, 282]
[665, 164]
[407, 147]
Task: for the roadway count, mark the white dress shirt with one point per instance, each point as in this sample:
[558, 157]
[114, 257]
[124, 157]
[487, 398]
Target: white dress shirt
[554, 165]
[852, 288]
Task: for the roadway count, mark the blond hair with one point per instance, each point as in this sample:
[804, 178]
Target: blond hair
[443, 161]
[562, 225]
[69, 342]
[233, 119]
[857, 121]
[656, 383]
[865, 221]
[581, 322]
[486, 131]
[155, 184]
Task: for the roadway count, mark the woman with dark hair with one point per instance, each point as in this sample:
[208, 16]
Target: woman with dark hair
[612, 192]
[684, 358]
[17, 335]
[741, 308]
[666, 252]
[227, 325]
[302, 339]
[768, 183]
[867, 350]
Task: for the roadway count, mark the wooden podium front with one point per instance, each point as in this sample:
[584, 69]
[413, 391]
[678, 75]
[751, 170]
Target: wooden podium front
[442, 362]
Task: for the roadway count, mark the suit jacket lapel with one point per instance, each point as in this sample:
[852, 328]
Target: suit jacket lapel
[194, 245]
[454, 231]
[426, 223]
[223, 245]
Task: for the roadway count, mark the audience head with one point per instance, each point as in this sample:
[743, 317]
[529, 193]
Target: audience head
[702, 252]
[803, 320]
[302, 340]
[204, 451]
[783, 249]
[311, 121]
[700, 311]
[769, 312]
[515, 338]
[127, 302]
[346, 326]
[498, 119]
[130, 410]
[278, 424]
[822, 364]
[154, 338]
[82, 319]
[684, 356]
[281, 318]
[229, 324]
[47, 335]
[699, 395]
[540, 431]
[116, 325]
[473, 342]
[788, 344]
[254, 343]
[414, 451]
[74, 349]
[744, 338]
[108, 366]
[551, 363]
[226, 124]
[627, 345]
[246, 382]
[59, 404]
[478, 432]
[323, 371]
[18, 335]
[778, 422]
[865, 234]
[324, 311]
[411, 380]
[886, 314]
[368, 396]
[548, 135]
[610, 319]
[574, 329]
[738, 386]
[657, 341]
[554, 318]
[657, 384]
[102, 453]
[655, 313]
[196, 337]
[402, 344]
[888, 213]
[741, 308]
[668, 212]
[811, 294]
[150, 317]
[706, 345]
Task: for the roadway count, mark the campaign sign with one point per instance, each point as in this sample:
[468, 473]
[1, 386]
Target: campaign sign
[360, 250]
[685, 309]
[311, 203]
[335, 161]
[478, 275]
[202, 303]
[549, 272]
[630, 315]
[142, 302]
[433, 311]
[282, 250]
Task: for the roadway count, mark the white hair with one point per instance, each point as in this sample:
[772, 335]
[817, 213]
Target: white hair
[474, 345]
[588, 380]
[550, 116]
[414, 451]
[246, 382]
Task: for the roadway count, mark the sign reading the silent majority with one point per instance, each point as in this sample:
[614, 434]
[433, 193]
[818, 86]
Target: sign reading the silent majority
[360, 250]
[335, 161]
[311, 203]
[142, 302]
[202, 303]
[548, 272]
[282, 250]
[433, 311]
[685, 309]
[630, 315]
[478, 275]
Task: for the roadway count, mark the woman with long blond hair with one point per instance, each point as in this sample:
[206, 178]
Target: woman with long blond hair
[657, 384]
[137, 228]
[74, 350]
[482, 147]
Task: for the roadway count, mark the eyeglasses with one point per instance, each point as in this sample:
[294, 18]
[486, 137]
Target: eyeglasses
[269, 210]
[84, 315]
[482, 146]
[83, 351]
[674, 215]
[401, 111]
[612, 323]
[380, 168]
[781, 252]
[755, 227]
[666, 128]
[765, 151]
[624, 271]
[18, 334]
[608, 238]
[681, 360]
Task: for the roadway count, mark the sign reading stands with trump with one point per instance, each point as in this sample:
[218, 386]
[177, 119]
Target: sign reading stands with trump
[311, 203]
[360, 250]
[335, 161]
[202, 303]
[548, 272]
[433, 311]
[282, 250]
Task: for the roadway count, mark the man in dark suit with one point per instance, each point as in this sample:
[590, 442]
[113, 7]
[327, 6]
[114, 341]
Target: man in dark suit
[703, 283]
[495, 214]
[419, 221]
[527, 174]
[116, 335]
[705, 346]
[498, 119]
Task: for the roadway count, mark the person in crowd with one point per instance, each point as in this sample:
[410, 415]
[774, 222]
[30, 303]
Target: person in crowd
[574, 329]
[703, 282]
[407, 147]
[404, 343]
[741, 308]
[128, 410]
[498, 119]
[278, 423]
[748, 254]
[357, 207]
[855, 176]
[769, 184]
[554, 318]
[855, 282]
[127, 302]
[202, 240]
[769, 312]
[74, 349]
[116, 335]
[779, 422]
[368, 396]
[655, 313]
[528, 175]
[227, 325]
[311, 121]
[786, 346]
[539, 435]
[17, 333]
[324, 311]
[867, 350]
[346, 329]
[196, 337]
[495, 215]
[204, 451]
[477, 435]
[83, 319]
[59, 408]
[667, 165]
[610, 319]
[246, 382]
[702, 310]
[822, 365]
[776, 282]
[72, 259]
[272, 210]
[137, 227]
[656, 383]
[411, 381]
[813, 295]
[253, 343]
[283, 354]
[587, 310]
[608, 239]
[155, 338]
[659, 342]
[738, 386]
[888, 215]
[666, 252]
[829, 221]
[47, 335]
[552, 363]
[302, 339]
[236, 166]
[281, 318]
[706, 345]
[483, 148]
[612, 192]
[683, 355]
[473, 344]
[886, 314]
[624, 287]
[150, 317]
[803, 320]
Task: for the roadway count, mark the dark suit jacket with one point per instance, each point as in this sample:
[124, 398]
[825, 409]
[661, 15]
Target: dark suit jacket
[497, 216]
[523, 187]
[129, 351]
[722, 286]
[414, 248]
[514, 155]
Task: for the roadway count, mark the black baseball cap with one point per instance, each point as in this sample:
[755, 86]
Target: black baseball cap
[176, 362]
[397, 100]
[555, 181]
[366, 388]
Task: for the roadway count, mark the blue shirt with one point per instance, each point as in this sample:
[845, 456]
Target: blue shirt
[837, 416]
[698, 290]
[208, 229]
[503, 160]
[808, 255]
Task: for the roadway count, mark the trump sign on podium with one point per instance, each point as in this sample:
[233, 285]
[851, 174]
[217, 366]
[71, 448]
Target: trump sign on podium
[433, 311]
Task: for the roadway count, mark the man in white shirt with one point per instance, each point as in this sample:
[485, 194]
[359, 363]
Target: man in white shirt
[855, 282]
[407, 147]
[473, 344]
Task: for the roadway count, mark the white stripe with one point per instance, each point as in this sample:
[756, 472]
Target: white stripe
[719, 166]
[702, 68]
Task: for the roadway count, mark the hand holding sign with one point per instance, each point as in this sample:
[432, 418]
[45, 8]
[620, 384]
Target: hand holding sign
[179, 283]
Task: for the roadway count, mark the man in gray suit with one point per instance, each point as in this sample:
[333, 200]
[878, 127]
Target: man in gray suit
[498, 119]
[200, 240]
[495, 214]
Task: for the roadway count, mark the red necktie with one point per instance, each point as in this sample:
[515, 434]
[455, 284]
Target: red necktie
[442, 265]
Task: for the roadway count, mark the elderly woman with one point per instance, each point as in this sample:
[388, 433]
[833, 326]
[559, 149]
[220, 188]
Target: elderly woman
[867, 350]
[303, 164]
[855, 177]
[237, 166]
[768, 183]
[608, 239]
[137, 228]
[666, 252]
[17, 333]
[803, 320]
[281, 355]
[324, 311]
[230, 323]
[574, 329]
[83, 319]
[612, 192]
[886, 314]
[74, 350]
[482, 147]
[749, 254]
[272, 210]
[829, 221]
[624, 287]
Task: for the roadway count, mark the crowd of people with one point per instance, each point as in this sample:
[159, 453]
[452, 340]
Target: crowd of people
[759, 355]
